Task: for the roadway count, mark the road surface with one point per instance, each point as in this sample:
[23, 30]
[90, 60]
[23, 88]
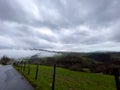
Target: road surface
[10, 79]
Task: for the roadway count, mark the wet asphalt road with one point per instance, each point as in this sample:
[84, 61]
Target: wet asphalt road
[10, 79]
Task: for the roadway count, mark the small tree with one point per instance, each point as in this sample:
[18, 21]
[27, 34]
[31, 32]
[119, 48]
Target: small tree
[4, 60]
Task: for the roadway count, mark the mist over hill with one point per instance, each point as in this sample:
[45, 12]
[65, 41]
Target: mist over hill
[92, 62]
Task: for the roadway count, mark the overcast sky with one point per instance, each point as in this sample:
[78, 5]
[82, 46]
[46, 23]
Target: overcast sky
[66, 25]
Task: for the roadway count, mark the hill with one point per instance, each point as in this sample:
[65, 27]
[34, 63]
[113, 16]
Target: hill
[103, 56]
[100, 62]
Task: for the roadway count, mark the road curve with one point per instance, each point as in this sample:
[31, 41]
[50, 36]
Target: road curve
[10, 79]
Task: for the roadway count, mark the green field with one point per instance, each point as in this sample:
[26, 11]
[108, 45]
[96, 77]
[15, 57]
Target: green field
[68, 80]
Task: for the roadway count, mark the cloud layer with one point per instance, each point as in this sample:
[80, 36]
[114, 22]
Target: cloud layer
[66, 25]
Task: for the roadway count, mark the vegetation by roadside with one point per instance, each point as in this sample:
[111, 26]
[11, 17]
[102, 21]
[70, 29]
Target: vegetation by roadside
[67, 79]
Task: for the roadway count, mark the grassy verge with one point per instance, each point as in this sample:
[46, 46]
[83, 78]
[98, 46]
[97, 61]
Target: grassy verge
[68, 80]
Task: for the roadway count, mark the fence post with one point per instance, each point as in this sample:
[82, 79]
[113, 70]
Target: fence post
[36, 72]
[18, 64]
[54, 74]
[28, 68]
[116, 76]
[24, 66]
[21, 64]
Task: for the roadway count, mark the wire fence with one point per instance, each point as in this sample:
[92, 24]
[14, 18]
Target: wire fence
[27, 67]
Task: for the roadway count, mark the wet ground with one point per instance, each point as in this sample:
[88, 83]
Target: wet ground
[10, 79]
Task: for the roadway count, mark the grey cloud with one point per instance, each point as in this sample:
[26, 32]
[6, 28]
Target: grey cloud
[76, 25]
[115, 32]
[11, 11]
[25, 36]
[73, 37]
[61, 13]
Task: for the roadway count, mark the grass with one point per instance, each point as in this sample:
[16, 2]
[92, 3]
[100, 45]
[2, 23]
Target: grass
[68, 80]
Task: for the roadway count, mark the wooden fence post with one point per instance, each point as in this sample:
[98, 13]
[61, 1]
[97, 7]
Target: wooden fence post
[28, 68]
[54, 74]
[21, 64]
[36, 75]
[116, 76]
[24, 66]
[18, 63]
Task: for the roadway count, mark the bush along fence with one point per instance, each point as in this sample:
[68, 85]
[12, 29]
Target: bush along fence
[26, 66]
[116, 74]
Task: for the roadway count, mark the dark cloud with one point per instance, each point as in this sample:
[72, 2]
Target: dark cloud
[11, 11]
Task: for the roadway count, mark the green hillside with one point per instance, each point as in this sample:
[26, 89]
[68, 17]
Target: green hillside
[68, 80]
